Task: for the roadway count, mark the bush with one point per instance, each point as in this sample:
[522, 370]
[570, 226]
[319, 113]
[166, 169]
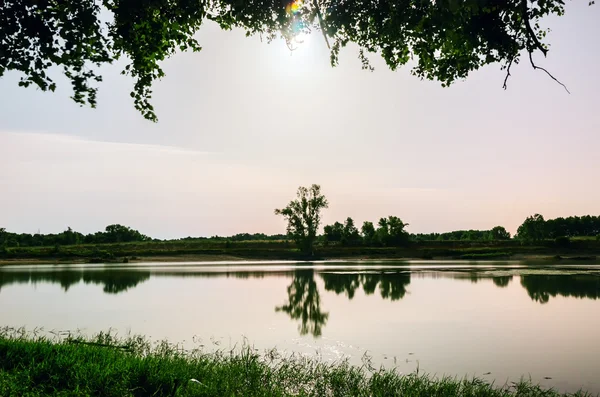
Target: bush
[562, 241]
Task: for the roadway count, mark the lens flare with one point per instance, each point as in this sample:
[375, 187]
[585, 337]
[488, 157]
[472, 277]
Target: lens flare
[293, 7]
[296, 31]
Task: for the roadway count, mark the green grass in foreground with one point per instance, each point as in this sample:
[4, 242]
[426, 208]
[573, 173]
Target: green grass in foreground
[105, 366]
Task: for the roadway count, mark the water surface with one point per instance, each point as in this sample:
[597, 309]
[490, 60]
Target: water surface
[495, 320]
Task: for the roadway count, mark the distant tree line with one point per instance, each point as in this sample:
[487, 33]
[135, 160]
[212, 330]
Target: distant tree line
[496, 233]
[241, 237]
[390, 231]
[112, 234]
[536, 228]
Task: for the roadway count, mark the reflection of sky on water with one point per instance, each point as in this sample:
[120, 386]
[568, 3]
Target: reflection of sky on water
[453, 318]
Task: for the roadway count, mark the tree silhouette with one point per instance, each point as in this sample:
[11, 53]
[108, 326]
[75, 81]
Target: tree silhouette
[391, 231]
[532, 229]
[346, 234]
[303, 216]
[368, 232]
[499, 233]
[333, 233]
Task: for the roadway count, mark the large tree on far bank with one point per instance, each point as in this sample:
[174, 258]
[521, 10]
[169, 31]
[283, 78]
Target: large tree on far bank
[499, 233]
[445, 39]
[303, 216]
[532, 229]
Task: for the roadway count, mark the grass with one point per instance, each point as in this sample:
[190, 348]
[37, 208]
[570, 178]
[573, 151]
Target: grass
[32, 366]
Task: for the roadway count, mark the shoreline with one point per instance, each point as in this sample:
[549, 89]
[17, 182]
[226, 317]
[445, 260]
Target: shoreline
[556, 259]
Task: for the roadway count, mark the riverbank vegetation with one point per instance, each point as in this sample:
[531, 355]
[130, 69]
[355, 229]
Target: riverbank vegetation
[391, 231]
[74, 366]
[573, 237]
[207, 249]
[281, 248]
[225, 249]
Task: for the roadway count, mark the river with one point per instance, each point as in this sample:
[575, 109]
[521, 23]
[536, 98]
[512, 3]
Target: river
[495, 320]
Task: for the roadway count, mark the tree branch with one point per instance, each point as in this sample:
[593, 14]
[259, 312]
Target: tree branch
[547, 72]
[507, 73]
[530, 31]
[321, 23]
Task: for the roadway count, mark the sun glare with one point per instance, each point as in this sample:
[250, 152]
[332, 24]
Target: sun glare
[299, 35]
[302, 38]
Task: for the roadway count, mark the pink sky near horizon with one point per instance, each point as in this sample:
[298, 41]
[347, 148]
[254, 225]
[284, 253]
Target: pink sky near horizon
[242, 124]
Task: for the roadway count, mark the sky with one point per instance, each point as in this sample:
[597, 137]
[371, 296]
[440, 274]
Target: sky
[243, 123]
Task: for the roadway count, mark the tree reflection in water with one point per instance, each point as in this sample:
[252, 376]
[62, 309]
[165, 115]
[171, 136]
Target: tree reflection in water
[304, 303]
[304, 300]
[540, 287]
[502, 281]
[116, 281]
[391, 285]
[113, 280]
